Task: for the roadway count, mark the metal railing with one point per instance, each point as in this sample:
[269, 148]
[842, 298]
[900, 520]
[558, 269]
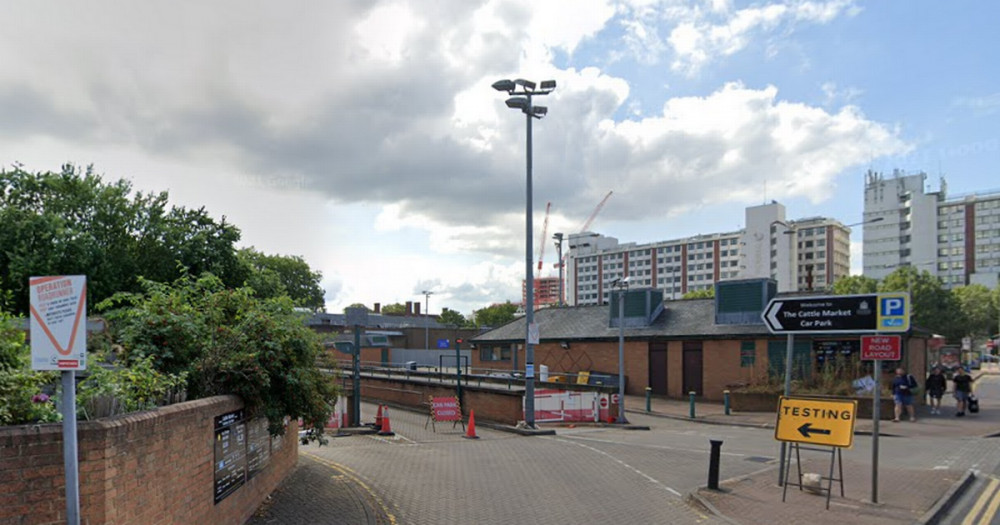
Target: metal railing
[478, 376]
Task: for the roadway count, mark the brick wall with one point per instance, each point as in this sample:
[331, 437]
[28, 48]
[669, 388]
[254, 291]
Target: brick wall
[152, 467]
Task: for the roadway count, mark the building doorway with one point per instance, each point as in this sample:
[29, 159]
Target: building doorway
[692, 368]
[658, 368]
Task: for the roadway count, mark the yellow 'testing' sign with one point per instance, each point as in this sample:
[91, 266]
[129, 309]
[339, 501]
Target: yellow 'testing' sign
[816, 421]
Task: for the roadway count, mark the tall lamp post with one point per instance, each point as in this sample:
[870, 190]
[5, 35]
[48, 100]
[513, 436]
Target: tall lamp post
[520, 92]
[427, 313]
[622, 285]
[559, 240]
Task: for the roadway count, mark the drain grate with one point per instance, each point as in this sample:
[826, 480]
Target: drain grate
[759, 459]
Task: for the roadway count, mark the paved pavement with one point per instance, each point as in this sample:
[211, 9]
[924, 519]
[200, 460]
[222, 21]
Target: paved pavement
[360, 481]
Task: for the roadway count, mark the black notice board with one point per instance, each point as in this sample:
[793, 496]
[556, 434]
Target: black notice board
[230, 453]
[258, 446]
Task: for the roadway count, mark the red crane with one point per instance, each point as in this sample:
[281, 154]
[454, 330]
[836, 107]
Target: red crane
[597, 210]
[586, 224]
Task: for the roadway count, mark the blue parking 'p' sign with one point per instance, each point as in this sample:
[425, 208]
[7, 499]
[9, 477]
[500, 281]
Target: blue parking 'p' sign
[893, 312]
[893, 306]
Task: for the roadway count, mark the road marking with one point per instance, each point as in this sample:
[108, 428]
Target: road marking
[350, 474]
[622, 463]
[654, 447]
[981, 502]
[991, 511]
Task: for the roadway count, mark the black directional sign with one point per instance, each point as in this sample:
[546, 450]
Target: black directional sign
[886, 312]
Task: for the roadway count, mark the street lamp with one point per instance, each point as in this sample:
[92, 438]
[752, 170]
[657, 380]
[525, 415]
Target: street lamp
[622, 285]
[427, 313]
[521, 99]
[559, 240]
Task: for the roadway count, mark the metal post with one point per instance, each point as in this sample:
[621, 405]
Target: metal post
[529, 290]
[70, 462]
[559, 238]
[789, 350]
[876, 418]
[427, 313]
[725, 400]
[649, 392]
[621, 357]
[458, 370]
[691, 395]
[356, 417]
[713, 464]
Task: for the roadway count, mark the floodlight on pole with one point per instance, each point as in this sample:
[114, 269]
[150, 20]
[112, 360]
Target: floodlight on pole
[521, 100]
[622, 285]
[427, 313]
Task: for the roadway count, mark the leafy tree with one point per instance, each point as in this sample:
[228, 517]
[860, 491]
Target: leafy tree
[277, 275]
[356, 305]
[227, 341]
[73, 222]
[979, 314]
[394, 309]
[933, 307]
[706, 293]
[495, 315]
[451, 317]
[855, 285]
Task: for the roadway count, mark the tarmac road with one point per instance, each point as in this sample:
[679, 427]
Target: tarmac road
[592, 474]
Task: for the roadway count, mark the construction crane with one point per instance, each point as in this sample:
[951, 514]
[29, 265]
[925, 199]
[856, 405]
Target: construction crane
[586, 224]
[594, 213]
[545, 229]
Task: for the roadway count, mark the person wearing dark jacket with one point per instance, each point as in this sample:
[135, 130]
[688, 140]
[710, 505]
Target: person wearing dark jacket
[936, 385]
[963, 389]
[903, 386]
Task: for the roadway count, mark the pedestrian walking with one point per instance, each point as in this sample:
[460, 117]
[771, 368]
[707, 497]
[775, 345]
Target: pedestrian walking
[903, 386]
[963, 389]
[936, 384]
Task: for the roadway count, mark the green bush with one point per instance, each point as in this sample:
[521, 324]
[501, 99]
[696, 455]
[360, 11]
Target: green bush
[227, 342]
[111, 390]
[22, 399]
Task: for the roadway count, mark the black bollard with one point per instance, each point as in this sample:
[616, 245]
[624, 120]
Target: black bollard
[713, 465]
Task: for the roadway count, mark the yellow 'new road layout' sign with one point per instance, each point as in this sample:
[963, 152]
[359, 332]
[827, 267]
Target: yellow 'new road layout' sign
[816, 421]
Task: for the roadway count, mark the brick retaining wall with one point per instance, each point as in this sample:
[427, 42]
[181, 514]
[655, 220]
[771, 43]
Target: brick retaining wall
[153, 467]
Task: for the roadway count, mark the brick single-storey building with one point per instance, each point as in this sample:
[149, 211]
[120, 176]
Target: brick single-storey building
[675, 347]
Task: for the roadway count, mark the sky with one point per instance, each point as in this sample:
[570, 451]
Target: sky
[364, 135]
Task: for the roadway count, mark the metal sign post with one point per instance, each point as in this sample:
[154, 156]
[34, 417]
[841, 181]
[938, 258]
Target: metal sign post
[875, 348]
[357, 317]
[876, 418]
[59, 342]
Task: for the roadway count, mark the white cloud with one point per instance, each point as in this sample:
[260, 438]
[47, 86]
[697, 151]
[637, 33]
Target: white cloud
[984, 105]
[698, 34]
[365, 136]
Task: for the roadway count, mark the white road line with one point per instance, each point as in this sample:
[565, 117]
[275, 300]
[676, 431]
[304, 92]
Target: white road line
[655, 447]
[622, 463]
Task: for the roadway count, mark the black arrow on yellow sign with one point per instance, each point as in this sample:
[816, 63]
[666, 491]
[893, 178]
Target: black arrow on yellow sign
[807, 429]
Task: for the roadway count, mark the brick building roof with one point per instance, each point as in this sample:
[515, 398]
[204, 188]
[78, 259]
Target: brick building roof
[679, 319]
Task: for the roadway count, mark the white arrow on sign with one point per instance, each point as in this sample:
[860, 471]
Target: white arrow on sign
[772, 315]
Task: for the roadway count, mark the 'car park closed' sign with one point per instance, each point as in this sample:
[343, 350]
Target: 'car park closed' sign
[884, 347]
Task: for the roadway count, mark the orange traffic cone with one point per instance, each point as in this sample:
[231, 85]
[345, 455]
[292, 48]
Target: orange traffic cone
[386, 429]
[378, 418]
[470, 432]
